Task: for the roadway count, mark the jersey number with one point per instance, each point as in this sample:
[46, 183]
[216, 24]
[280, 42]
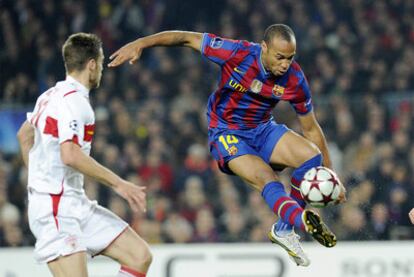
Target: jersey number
[42, 107]
[230, 139]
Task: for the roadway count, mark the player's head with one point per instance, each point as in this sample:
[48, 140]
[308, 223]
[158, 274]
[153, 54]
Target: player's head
[82, 53]
[278, 48]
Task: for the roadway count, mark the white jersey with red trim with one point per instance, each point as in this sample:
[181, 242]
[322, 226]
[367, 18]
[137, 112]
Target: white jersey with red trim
[61, 113]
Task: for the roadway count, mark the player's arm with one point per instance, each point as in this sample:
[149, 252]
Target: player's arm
[73, 156]
[310, 126]
[25, 136]
[132, 51]
[313, 132]
[72, 116]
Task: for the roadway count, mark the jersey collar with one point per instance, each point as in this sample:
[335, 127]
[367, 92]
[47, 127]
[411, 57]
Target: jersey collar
[265, 73]
[79, 87]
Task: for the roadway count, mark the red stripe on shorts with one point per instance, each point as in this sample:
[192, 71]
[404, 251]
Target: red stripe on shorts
[55, 205]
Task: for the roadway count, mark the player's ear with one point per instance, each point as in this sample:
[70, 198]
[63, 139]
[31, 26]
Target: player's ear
[264, 46]
[91, 65]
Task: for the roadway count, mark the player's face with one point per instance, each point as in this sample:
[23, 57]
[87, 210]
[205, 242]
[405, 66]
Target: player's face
[277, 56]
[96, 75]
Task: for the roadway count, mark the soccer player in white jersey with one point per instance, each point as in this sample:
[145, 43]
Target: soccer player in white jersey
[55, 142]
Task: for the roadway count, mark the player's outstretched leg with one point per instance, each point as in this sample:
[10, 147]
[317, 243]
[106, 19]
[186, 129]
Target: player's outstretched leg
[289, 211]
[132, 252]
[290, 242]
[273, 192]
[297, 177]
[318, 229]
[282, 228]
[285, 207]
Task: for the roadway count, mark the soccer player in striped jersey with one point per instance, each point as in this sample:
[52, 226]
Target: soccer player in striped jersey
[244, 138]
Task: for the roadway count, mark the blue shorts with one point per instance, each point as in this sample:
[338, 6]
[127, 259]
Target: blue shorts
[226, 144]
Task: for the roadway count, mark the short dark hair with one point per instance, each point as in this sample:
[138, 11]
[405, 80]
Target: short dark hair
[78, 49]
[278, 30]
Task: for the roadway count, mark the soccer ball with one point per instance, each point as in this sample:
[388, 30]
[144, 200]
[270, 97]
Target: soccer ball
[320, 187]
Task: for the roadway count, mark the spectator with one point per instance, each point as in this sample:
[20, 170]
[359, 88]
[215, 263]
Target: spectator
[151, 119]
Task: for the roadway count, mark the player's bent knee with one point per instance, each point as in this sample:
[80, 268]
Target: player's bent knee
[314, 153]
[70, 265]
[146, 257]
[311, 151]
[268, 176]
[139, 258]
[265, 177]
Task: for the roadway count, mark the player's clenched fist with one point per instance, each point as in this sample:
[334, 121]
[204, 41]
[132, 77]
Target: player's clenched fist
[132, 52]
[135, 195]
[411, 215]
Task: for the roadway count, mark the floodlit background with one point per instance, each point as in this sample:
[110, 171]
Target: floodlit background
[151, 124]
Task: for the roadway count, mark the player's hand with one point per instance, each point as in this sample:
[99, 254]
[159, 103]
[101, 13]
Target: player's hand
[135, 195]
[131, 51]
[342, 194]
[411, 215]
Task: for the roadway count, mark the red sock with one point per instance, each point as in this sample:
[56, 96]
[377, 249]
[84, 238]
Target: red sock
[128, 272]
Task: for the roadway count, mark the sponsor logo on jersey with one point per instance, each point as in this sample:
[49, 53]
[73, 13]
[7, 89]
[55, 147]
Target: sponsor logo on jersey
[237, 86]
[216, 43]
[278, 90]
[256, 86]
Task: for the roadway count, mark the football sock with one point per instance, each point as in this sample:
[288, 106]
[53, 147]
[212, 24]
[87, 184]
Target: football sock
[283, 228]
[128, 272]
[285, 207]
[297, 177]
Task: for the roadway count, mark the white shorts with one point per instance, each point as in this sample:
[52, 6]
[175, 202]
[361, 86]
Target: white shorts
[67, 224]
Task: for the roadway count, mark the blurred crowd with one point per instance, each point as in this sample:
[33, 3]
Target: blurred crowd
[151, 124]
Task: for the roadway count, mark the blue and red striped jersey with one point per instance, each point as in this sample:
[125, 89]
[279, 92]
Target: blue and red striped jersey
[247, 92]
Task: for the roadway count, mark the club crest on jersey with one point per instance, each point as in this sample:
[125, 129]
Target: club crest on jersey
[216, 43]
[256, 86]
[232, 150]
[278, 90]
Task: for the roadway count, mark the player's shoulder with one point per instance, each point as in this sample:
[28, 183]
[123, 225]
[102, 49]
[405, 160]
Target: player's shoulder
[297, 79]
[296, 72]
[246, 48]
[65, 88]
[253, 47]
[216, 41]
[68, 92]
[69, 96]
[296, 68]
